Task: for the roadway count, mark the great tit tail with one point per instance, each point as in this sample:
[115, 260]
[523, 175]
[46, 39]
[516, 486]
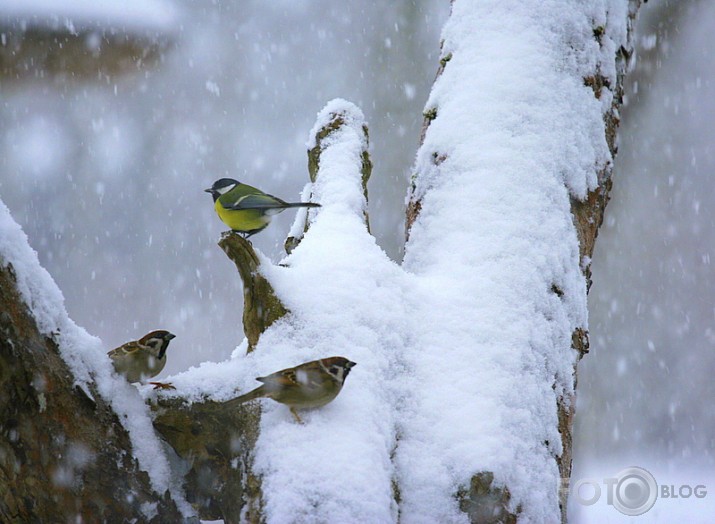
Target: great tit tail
[301, 204]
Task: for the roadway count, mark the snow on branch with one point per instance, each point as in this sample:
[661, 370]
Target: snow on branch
[343, 294]
[261, 307]
[338, 159]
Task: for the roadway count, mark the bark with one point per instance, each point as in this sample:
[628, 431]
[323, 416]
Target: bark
[214, 445]
[261, 307]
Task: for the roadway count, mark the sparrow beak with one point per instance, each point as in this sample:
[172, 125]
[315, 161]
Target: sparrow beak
[170, 336]
[350, 365]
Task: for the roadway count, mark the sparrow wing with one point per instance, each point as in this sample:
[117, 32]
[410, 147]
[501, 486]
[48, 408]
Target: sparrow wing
[125, 349]
[305, 376]
[284, 378]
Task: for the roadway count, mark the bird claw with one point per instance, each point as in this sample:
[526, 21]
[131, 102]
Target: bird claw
[162, 385]
[295, 415]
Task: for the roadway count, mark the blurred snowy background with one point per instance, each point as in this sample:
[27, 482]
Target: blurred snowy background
[646, 390]
[105, 174]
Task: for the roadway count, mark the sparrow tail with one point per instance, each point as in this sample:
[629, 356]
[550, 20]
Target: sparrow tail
[259, 392]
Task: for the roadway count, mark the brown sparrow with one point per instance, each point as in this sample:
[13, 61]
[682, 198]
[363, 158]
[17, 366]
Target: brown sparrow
[310, 385]
[144, 358]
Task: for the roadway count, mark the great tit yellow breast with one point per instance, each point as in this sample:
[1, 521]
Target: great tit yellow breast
[242, 219]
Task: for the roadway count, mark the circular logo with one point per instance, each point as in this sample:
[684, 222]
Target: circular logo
[635, 491]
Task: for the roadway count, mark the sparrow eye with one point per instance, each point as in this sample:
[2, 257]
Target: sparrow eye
[334, 370]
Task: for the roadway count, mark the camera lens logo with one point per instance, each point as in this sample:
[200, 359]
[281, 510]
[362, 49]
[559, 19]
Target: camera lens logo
[635, 491]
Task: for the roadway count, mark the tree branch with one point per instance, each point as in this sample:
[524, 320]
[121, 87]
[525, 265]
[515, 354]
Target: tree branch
[480, 500]
[588, 218]
[261, 306]
[215, 443]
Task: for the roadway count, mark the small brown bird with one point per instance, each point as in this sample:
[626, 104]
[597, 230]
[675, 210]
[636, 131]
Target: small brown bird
[309, 385]
[144, 358]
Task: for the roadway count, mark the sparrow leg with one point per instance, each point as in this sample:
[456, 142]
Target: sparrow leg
[162, 385]
[295, 414]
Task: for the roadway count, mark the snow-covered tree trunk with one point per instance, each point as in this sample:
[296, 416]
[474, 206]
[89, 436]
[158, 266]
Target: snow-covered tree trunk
[460, 408]
[516, 162]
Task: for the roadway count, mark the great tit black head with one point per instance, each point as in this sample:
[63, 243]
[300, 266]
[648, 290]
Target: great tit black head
[222, 186]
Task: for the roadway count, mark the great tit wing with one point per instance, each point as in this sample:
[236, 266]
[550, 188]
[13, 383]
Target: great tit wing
[262, 201]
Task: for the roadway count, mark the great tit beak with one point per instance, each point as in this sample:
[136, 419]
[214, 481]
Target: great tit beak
[209, 190]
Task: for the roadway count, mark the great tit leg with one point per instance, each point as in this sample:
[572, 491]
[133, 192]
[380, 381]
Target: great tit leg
[243, 234]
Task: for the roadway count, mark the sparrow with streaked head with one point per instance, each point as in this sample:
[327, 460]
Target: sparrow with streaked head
[309, 385]
[141, 359]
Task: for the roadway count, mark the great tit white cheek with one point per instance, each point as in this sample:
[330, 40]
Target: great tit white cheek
[225, 189]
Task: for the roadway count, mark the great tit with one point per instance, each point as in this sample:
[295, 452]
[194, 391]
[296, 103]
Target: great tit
[245, 209]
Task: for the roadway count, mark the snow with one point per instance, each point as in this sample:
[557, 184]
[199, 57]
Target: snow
[298, 227]
[74, 15]
[314, 472]
[84, 354]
